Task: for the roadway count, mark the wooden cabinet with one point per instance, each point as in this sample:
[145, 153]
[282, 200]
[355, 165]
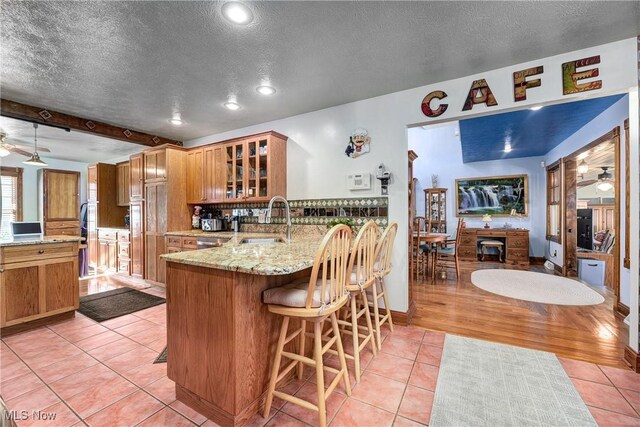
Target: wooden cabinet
[60, 201]
[107, 251]
[102, 210]
[195, 176]
[136, 176]
[38, 281]
[122, 183]
[516, 244]
[435, 209]
[180, 244]
[604, 218]
[165, 204]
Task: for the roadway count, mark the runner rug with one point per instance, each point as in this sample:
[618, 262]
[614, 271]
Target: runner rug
[486, 384]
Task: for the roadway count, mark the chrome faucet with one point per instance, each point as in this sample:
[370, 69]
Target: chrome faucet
[286, 205]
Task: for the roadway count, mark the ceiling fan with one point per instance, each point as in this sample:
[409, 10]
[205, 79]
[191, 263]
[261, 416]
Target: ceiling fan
[8, 145]
[605, 180]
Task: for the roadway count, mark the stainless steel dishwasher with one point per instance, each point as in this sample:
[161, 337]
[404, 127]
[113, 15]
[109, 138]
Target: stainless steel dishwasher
[207, 242]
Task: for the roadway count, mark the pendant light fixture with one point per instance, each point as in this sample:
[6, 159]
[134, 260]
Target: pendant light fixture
[34, 160]
[583, 167]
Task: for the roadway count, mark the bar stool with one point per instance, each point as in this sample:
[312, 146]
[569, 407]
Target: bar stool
[313, 301]
[492, 244]
[382, 268]
[361, 264]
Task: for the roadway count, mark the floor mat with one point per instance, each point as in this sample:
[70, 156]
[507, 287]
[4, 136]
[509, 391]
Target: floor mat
[486, 384]
[115, 303]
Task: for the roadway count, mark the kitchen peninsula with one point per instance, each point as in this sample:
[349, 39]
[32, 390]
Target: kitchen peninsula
[219, 333]
[38, 281]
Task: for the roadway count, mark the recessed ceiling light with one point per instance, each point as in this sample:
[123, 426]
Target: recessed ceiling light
[176, 121]
[536, 108]
[232, 105]
[266, 90]
[507, 148]
[237, 13]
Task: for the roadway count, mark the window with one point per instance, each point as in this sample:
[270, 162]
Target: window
[554, 202]
[10, 199]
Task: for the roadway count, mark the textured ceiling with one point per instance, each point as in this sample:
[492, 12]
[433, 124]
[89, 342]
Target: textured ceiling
[136, 63]
[532, 133]
[75, 146]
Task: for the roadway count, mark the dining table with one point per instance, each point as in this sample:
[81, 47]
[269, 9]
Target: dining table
[429, 238]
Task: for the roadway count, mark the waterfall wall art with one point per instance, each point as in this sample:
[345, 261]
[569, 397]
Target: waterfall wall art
[496, 196]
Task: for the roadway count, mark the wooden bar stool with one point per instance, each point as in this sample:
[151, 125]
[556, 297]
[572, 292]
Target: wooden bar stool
[492, 244]
[313, 301]
[361, 264]
[382, 268]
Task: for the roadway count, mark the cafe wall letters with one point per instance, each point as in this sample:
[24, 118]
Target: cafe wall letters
[480, 93]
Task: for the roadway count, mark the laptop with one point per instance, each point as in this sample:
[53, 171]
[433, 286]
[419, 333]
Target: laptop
[26, 230]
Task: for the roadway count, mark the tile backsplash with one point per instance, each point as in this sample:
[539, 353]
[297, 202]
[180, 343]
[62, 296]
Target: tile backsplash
[315, 211]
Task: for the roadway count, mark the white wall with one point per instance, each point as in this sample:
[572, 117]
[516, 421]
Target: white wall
[612, 117]
[440, 152]
[316, 164]
[30, 181]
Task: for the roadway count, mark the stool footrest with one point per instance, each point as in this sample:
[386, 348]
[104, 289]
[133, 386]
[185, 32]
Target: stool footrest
[286, 370]
[297, 357]
[296, 400]
[329, 344]
[292, 336]
[333, 384]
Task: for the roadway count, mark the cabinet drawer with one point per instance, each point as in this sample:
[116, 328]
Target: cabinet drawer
[123, 236]
[467, 252]
[490, 233]
[174, 241]
[38, 252]
[107, 234]
[468, 240]
[189, 243]
[518, 233]
[123, 266]
[63, 224]
[62, 231]
[518, 254]
[123, 250]
[173, 250]
[518, 242]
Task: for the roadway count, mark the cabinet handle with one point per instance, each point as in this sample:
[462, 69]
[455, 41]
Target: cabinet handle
[41, 251]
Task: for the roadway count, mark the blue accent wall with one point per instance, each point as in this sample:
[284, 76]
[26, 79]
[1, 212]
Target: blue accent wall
[532, 133]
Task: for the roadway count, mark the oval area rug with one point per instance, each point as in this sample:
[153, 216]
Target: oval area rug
[536, 287]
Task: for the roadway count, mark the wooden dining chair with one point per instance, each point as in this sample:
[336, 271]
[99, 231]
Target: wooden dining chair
[417, 248]
[361, 266]
[314, 300]
[446, 255]
[382, 268]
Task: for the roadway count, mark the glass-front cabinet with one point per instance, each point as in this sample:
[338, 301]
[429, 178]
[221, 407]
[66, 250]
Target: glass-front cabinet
[255, 168]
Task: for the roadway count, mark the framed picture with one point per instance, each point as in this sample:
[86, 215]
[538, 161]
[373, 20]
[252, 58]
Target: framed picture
[495, 195]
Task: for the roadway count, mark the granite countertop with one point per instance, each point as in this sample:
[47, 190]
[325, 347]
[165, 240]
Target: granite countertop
[44, 241]
[198, 232]
[269, 259]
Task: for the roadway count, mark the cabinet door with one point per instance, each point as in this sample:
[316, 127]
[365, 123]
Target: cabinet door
[136, 178]
[103, 255]
[20, 290]
[209, 174]
[610, 218]
[62, 285]
[92, 234]
[122, 184]
[597, 220]
[155, 163]
[236, 163]
[61, 195]
[112, 264]
[156, 208]
[136, 250]
[195, 178]
[92, 183]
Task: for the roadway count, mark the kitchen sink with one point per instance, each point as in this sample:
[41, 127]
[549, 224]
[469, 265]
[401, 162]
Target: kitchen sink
[261, 240]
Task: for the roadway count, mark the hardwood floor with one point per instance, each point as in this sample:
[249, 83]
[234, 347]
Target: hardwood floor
[590, 333]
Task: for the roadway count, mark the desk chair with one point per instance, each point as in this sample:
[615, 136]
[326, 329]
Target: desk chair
[447, 253]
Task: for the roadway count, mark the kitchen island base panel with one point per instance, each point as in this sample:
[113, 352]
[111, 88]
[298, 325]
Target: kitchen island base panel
[220, 338]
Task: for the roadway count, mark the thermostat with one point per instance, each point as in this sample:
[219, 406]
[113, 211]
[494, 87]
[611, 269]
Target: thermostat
[359, 181]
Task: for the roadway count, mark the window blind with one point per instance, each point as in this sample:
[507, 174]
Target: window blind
[8, 203]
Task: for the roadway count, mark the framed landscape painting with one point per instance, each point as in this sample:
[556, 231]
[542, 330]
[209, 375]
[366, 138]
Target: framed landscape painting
[496, 196]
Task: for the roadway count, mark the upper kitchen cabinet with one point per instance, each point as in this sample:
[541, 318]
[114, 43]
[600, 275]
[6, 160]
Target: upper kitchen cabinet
[122, 183]
[136, 177]
[195, 177]
[155, 165]
[256, 168]
[205, 175]
[60, 201]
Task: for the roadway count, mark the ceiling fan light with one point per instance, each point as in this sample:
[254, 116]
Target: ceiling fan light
[583, 167]
[34, 160]
[4, 152]
[605, 186]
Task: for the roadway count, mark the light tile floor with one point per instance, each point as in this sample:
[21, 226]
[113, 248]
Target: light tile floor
[103, 375]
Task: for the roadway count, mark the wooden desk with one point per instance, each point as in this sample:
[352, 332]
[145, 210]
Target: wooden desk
[516, 243]
[609, 267]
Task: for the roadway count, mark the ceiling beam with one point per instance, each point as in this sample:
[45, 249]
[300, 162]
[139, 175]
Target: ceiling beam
[53, 118]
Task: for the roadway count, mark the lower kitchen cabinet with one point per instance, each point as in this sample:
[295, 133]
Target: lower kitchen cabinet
[38, 281]
[113, 251]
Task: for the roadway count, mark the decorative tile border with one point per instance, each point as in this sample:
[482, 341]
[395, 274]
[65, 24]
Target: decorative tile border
[318, 211]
